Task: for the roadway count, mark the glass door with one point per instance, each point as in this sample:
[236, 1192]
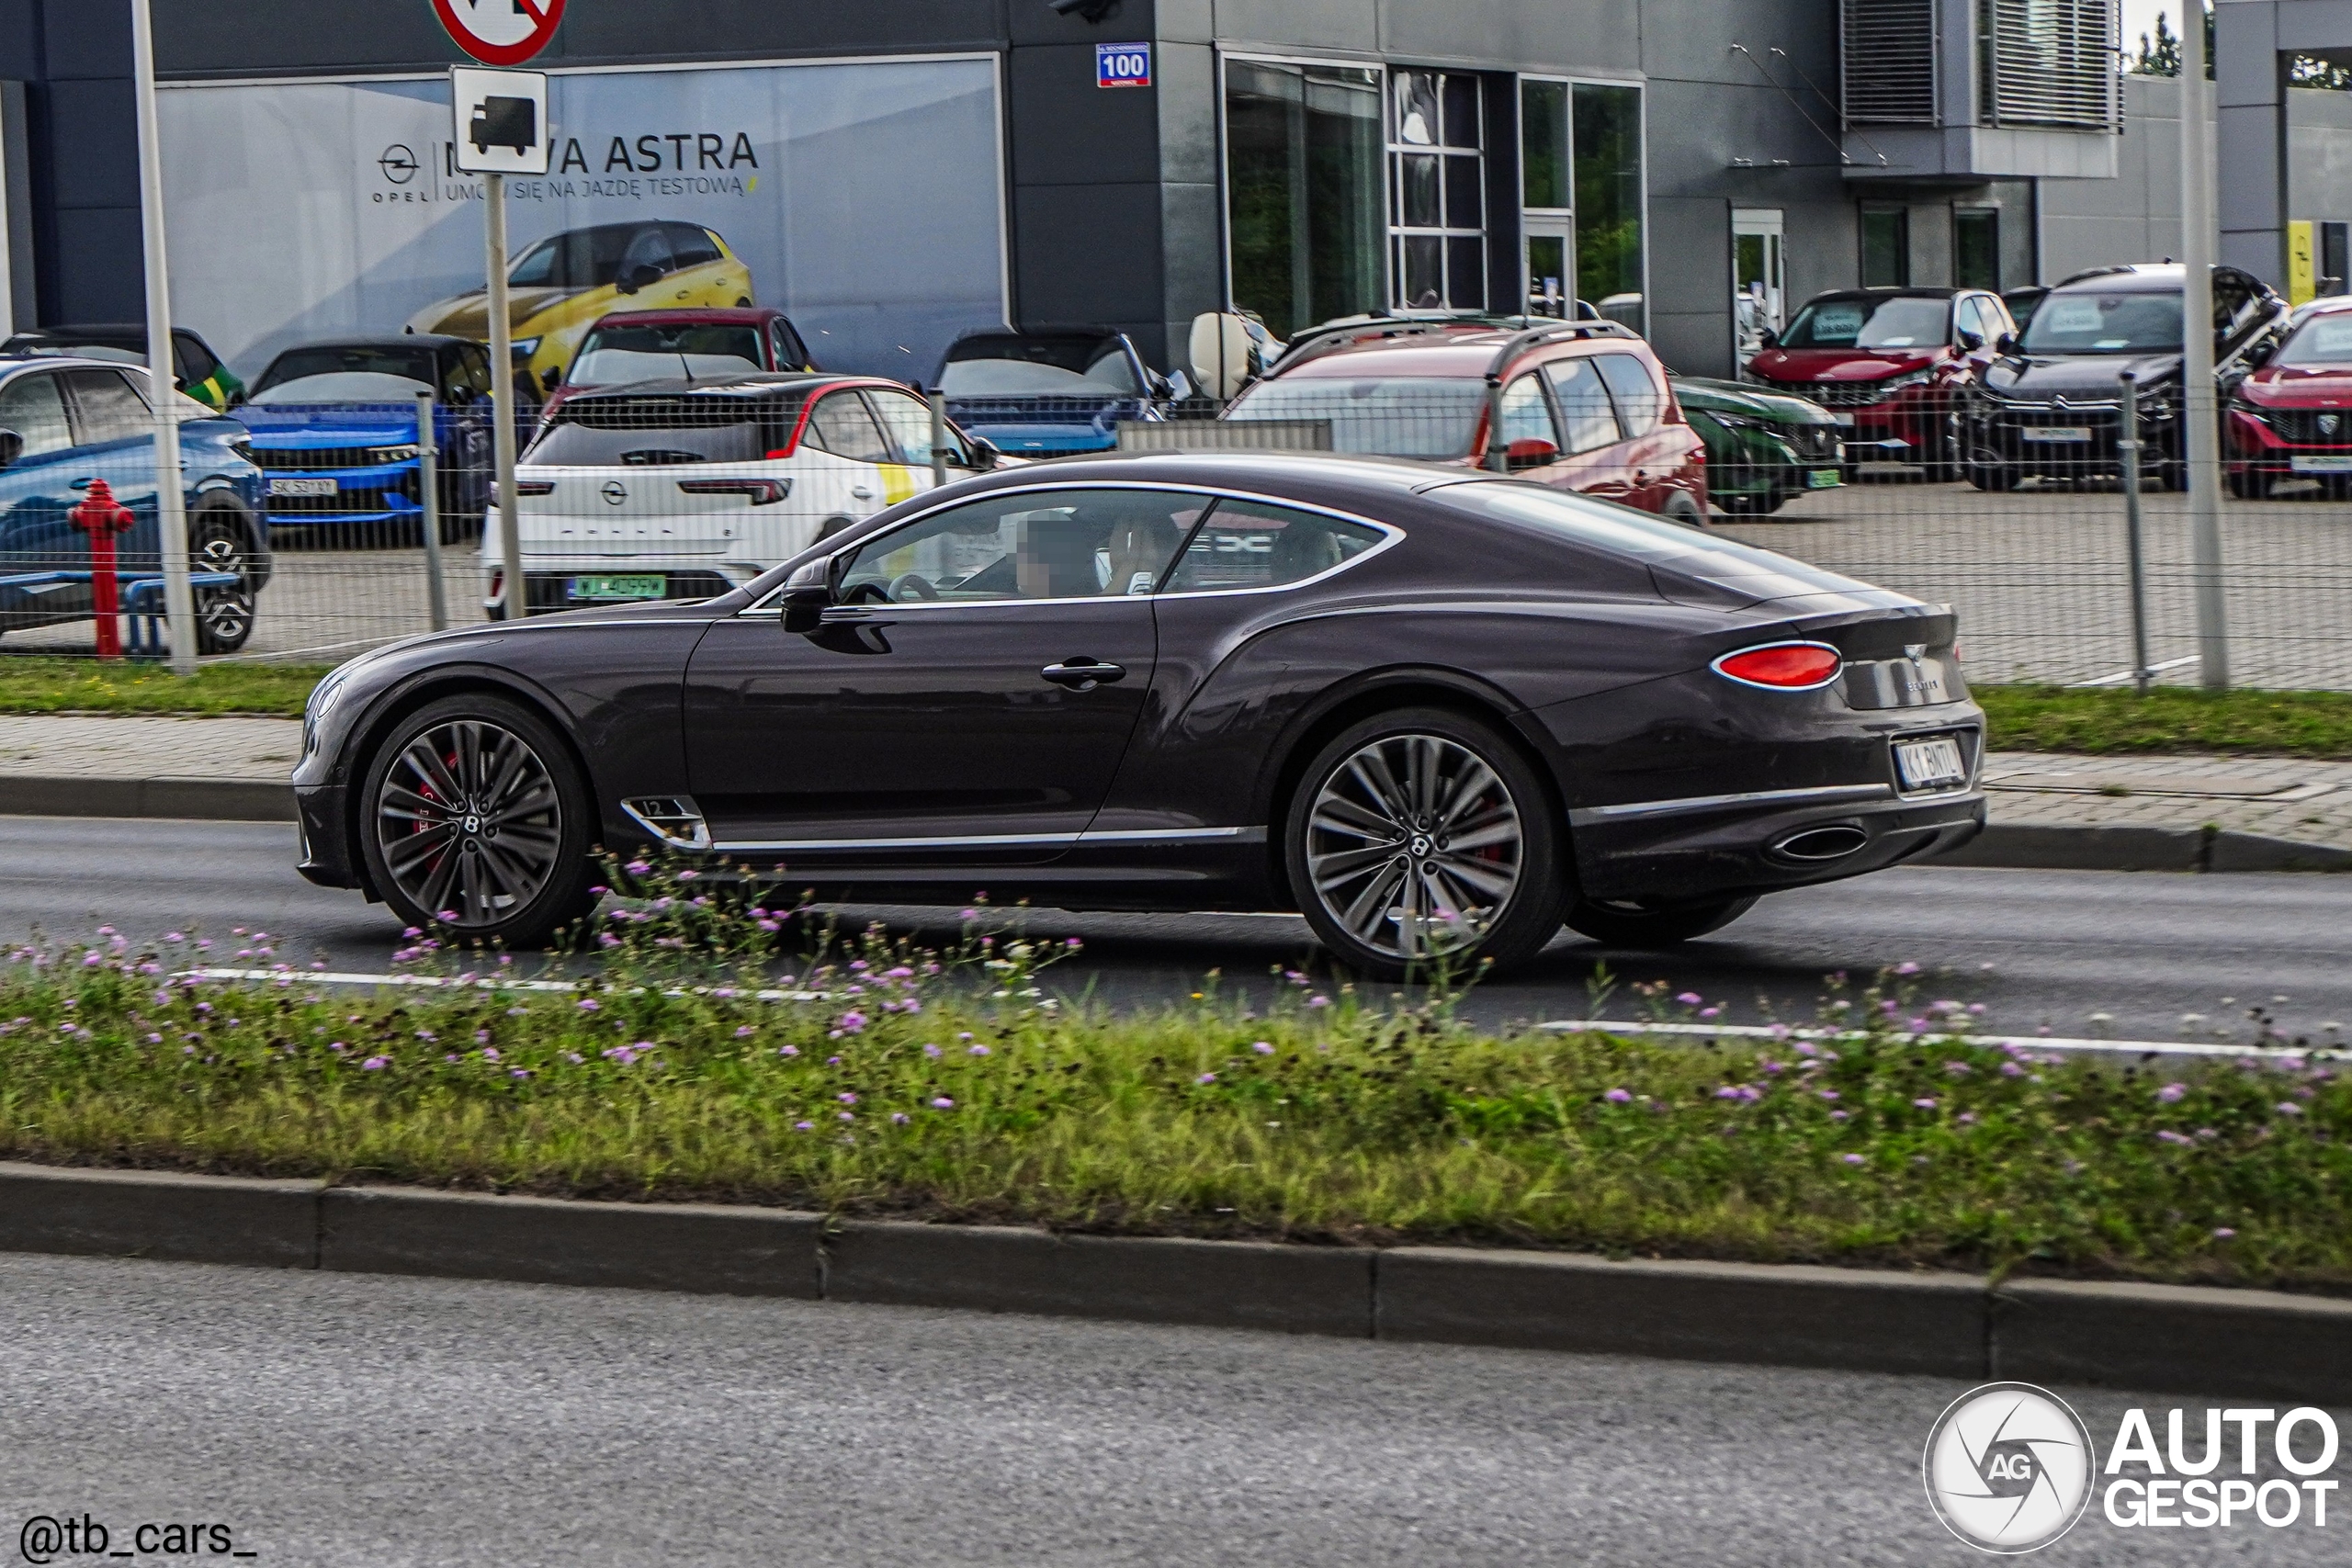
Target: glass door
[1547, 200]
[1757, 281]
[1438, 212]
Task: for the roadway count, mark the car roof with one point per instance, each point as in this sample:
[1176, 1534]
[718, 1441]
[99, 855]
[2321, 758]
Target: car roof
[1906, 293]
[1444, 350]
[1016, 335]
[133, 332]
[686, 315]
[1232, 471]
[2135, 277]
[385, 340]
[750, 384]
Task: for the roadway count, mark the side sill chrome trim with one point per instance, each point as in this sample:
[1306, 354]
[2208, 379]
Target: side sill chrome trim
[1825, 793]
[1000, 841]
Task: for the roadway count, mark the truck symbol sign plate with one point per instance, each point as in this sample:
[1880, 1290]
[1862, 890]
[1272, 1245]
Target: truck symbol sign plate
[502, 120]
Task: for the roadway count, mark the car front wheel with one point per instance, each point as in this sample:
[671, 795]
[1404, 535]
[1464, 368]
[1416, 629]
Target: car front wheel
[1422, 841]
[219, 540]
[476, 819]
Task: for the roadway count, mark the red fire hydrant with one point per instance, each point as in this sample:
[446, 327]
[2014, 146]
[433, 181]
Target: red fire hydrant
[103, 517]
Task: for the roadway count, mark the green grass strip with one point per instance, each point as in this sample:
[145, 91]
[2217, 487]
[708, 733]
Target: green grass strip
[84, 686]
[954, 1089]
[2169, 719]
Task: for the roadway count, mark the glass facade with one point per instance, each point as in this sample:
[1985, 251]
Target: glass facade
[1304, 190]
[1606, 137]
[1436, 141]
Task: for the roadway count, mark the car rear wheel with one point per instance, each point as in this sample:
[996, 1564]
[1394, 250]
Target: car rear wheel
[1641, 922]
[475, 819]
[1992, 475]
[220, 539]
[1423, 842]
[1683, 507]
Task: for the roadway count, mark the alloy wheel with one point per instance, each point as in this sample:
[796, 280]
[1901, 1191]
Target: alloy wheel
[470, 822]
[1415, 846]
[224, 615]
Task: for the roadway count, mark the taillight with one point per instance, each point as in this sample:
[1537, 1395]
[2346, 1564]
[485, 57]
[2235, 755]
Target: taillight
[762, 493]
[1783, 666]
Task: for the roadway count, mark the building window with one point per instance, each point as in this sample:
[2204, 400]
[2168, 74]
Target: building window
[1976, 247]
[1302, 183]
[1886, 247]
[1547, 198]
[1606, 137]
[1438, 207]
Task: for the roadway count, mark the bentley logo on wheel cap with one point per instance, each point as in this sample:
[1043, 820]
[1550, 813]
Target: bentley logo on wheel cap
[613, 492]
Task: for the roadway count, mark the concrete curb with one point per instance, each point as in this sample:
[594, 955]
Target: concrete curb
[2256, 1344]
[2012, 847]
[215, 800]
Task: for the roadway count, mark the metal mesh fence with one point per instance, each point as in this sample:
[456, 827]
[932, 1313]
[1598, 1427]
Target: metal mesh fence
[328, 525]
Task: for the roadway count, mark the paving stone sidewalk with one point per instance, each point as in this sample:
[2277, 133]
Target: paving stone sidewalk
[2297, 801]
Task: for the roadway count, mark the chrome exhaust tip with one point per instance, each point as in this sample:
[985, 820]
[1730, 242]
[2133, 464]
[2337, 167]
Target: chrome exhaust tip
[1833, 842]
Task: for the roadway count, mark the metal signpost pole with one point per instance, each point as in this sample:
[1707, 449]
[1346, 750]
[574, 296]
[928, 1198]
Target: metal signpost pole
[940, 450]
[179, 599]
[2200, 425]
[501, 398]
[428, 495]
[2141, 673]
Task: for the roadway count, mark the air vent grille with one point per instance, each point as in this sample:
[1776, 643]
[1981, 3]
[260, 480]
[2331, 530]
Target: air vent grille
[1889, 58]
[2048, 63]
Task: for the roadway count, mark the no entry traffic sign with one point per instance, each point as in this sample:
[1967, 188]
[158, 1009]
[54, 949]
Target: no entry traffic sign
[501, 32]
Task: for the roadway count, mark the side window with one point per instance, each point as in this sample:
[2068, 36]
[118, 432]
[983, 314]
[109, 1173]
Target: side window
[791, 354]
[190, 364]
[1075, 543]
[840, 426]
[33, 407]
[1527, 416]
[106, 407]
[2231, 298]
[1590, 423]
[906, 428]
[1248, 544]
[649, 247]
[691, 245]
[469, 375]
[1640, 403]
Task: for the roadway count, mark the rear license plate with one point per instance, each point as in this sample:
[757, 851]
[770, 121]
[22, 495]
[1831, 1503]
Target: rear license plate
[1843, 418]
[2056, 432]
[618, 587]
[2321, 465]
[1930, 764]
[1824, 479]
[304, 487]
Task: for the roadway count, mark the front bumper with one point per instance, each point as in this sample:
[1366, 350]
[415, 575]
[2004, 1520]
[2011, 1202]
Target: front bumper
[2015, 437]
[324, 814]
[387, 493]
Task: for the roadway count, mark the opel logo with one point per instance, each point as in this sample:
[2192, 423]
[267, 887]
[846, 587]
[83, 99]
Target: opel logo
[399, 164]
[613, 492]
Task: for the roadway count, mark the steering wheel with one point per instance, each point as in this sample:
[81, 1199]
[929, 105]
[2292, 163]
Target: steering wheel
[866, 593]
[912, 585]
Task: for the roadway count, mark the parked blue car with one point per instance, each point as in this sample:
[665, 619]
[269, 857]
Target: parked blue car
[334, 429]
[66, 423]
[1046, 391]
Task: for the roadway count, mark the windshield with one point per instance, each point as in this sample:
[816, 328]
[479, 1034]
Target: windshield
[1032, 367]
[603, 432]
[613, 355]
[1403, 416]
[584, 258]
[341, 387]
[1896, 321]
[2323, 340]
[301, 364]
[2105, 323]
[1622, 531]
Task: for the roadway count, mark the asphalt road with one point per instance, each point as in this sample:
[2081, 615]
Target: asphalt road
[2062, 946]
[378, 1422]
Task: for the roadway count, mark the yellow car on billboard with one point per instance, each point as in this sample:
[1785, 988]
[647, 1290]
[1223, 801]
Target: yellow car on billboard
[562, 286]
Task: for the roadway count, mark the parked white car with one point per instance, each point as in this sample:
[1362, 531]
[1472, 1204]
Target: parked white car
[682, 490]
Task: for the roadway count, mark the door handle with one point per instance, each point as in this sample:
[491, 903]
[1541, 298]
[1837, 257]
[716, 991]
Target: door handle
[863, 493]
[1082, 674]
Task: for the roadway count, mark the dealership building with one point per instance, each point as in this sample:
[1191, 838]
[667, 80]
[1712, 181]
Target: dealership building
[892, 171]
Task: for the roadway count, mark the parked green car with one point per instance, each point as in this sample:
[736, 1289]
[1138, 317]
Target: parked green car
[1762, 447]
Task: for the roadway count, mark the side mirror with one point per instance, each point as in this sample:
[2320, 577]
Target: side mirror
[1970, 342]
[644, 274]
[1180, 386]
[12, 446]
[2259, 354]
[1528, 452]
[986, 453]
[552, 379]
[1771, 338]
[2007, 344]
[806, 596]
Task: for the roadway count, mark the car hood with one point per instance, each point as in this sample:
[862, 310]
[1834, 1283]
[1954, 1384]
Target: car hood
[2042, 378]
[323, 427]
[468, 315]
[2300, 386]
[1840, 364]
[1755, 402]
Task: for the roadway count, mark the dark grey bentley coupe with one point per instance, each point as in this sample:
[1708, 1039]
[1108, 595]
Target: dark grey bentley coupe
[1441, 714]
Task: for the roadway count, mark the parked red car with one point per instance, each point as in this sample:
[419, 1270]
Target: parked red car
[1586, 405]
[1885, 362]
[691, 345]
[2291, 416]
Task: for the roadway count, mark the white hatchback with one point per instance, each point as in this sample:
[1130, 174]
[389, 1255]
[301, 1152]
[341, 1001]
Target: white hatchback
[683, 490]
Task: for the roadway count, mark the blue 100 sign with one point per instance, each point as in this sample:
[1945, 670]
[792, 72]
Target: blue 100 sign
[1123, 65]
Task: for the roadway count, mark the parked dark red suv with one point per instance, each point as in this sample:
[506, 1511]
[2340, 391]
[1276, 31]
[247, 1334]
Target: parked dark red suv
[2291, 418]
[1886, 362]
[1586, 405]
